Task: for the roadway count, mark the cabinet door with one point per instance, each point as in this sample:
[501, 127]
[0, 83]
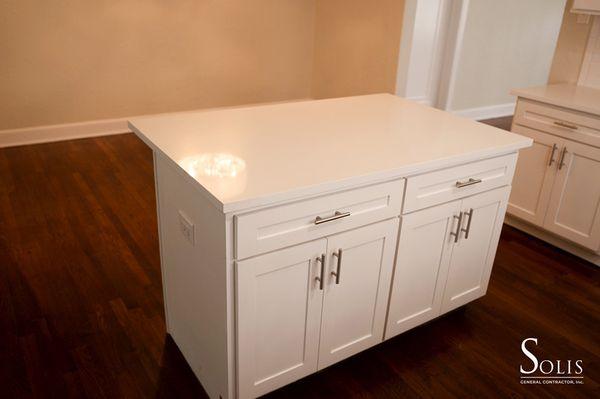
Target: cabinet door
[278, 317]
[532, 183]
[574, 210]
[355, 302]
[422, 261]
[473, 254]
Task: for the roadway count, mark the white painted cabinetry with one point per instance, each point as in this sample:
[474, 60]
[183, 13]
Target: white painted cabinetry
[474, 249]
[278, 317]
[445, 257]
[574, 208]
[557, 181]
[356, 297]
[279, 229]
[306, 307]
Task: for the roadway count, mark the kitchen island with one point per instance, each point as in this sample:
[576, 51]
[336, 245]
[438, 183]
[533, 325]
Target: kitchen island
[295, 235]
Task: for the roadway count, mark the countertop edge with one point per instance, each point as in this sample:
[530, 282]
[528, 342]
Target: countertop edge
[301, 193]
[554, 101]
[298, 194]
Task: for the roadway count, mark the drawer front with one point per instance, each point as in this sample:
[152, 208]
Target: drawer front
[302, 221]
[445, 185]
[573, 125]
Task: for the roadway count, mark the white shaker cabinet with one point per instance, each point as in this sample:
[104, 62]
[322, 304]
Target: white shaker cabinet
[532, 184]
[574, 208]
[474, 247]
[279, 306]
[445, 257]
[279, 228]
[306, 307]
[424, 250]
[556, 189]
[356, 296]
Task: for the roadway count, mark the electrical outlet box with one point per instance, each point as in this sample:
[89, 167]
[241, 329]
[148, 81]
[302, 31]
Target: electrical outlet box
[186, 227]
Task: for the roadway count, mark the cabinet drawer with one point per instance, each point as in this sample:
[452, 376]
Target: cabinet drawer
[445, 185]
[289, 224]
[573, 125]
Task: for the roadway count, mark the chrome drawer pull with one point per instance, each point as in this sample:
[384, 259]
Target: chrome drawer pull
[565, 124]
[320, 278]
[468, 229]
[337, 215]
[338, 254]
[561, 162]
[554, 148]
[457, 233]
[470, 182]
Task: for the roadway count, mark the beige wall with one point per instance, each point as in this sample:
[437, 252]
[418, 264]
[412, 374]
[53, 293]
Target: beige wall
[570, 48]
[356, 46]
[506, 44]
[66, 61]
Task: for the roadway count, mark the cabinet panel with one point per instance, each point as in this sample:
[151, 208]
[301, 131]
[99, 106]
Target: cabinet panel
[450, 184]
[532, 184]
[281, 226]
[563, 122]
[424, 250]
[473, 254]
[354, 309]
[574, 210]
[278, 317]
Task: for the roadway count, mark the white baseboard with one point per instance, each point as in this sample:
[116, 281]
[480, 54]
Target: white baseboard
[67, 131]
[491, 111]
[101, 127]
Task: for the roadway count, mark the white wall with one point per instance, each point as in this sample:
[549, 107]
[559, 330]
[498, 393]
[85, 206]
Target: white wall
[466, 55]
[505, 44]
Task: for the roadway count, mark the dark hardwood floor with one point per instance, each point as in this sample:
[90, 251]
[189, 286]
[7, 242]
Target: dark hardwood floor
[81, 310]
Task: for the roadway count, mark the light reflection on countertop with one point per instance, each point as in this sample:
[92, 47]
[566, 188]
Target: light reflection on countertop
[224, 173]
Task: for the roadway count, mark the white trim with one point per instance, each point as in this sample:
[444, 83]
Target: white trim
[422, 48]
[100, 127]
[454, 42]
[406, 42]
[490, 111]
[67, 131]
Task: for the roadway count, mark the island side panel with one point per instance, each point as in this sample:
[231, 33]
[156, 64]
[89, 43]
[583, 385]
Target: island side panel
[194, 274]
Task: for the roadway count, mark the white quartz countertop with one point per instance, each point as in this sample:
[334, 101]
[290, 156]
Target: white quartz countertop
[255, 156]
[580, 98]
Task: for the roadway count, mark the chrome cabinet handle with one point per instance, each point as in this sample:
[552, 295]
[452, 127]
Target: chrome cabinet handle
[337, 215]
[338, 254]
[565, 124]
[320, 278]
[470, 182]
[561, 162]
[456, 234]
[468, 229]
[554, 148]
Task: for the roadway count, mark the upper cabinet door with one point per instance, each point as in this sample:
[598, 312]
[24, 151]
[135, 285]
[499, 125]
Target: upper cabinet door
[574, 210]
[473, 254]
[357, 288]
[532, 183]
[424, 249]
[279, 305]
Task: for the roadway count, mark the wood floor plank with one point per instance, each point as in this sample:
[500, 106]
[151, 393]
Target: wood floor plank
[81, 312]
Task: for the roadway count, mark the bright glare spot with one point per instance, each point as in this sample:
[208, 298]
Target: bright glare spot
[216, 165]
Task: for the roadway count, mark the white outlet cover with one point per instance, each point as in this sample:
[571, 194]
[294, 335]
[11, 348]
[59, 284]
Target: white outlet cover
[186, 227]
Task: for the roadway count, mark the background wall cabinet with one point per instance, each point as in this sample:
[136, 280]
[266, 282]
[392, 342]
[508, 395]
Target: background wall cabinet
[333, 290]
[445, 257]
